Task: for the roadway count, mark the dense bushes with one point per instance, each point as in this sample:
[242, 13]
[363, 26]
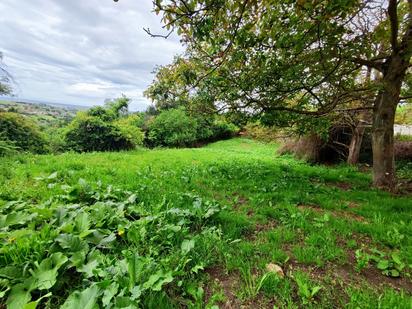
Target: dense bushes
[21, 133]
[112, 128]
[7, 147]
[129, 127]
[172, 128]
[91, 133]
[175, 128]
[108, 128]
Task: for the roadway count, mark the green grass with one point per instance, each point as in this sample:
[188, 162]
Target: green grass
[171, 228]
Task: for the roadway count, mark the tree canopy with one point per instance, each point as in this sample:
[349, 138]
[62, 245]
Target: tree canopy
[277, 59]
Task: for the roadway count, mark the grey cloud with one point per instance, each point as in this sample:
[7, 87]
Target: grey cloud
[81, 51]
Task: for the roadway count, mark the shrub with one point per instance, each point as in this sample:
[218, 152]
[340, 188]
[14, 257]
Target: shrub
[223, 129]
[173, 128]
[263, 133]
[6, 147]
[129, 126]
[205, 130]
[21, 132]
[88, 133]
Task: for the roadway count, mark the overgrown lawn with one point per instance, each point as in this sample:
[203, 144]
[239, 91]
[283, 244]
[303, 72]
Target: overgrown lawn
[198, 228]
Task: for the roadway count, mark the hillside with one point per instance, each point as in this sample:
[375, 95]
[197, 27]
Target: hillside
[228, 225]
[45, 115]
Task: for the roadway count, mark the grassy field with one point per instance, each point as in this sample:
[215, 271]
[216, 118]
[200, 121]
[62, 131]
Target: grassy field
[228, 225]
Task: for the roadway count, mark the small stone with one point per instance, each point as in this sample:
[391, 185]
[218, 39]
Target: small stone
[274, 268]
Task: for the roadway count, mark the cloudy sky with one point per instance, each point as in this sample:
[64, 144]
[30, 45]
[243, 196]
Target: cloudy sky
[82, 51]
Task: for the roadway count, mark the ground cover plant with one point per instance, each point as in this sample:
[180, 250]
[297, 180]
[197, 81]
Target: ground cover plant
[229, 225]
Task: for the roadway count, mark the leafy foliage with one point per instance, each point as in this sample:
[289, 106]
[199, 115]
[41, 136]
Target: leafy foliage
[404, 114]
[104, 242]
[176, 128]
[88, 133]
[19, 131]
[172, 128]
[197, 228]
[129, 126]
[108, 128]
[6, 147]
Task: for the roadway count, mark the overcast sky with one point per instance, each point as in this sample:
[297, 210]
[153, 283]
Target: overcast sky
[82, 51]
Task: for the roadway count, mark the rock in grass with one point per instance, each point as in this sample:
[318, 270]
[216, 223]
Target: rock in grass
[274, 268]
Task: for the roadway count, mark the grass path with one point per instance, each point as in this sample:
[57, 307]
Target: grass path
[339, 243]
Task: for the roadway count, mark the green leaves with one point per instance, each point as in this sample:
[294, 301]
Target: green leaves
[86, 299]
[157, 280]
[45, 276]
[390, 264]
[18, 297]
[307, 290]
[187, 245]
[86, 247]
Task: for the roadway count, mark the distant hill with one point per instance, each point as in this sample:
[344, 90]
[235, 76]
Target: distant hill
[46, 114]
[59, 105]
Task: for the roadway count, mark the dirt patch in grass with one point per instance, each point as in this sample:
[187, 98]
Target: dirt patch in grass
[374, 276]
[349, 215]
[353, 205]
[342, 185]
[228, 283]
[240, 200]
[261, 228]
[404, 187]
[314, 208]
[335, 213]
[337, 274]
[345, 186]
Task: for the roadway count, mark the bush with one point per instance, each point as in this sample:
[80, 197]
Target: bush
[263, 133]
[223, 129]
[129, 126]
[21, 132]
[205, 130]
[172, 128]
[89, 133]
[6, 147]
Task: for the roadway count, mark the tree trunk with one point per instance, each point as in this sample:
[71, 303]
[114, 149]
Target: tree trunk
[356, 143]
[382, 141]
[382, 124]
[359, 130]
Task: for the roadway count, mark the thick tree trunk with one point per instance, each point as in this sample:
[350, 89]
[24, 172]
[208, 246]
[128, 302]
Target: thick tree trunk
[382, 140]
[356, 143]
[383, 120]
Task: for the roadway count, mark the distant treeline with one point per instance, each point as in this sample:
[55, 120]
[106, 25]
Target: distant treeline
[109, 128]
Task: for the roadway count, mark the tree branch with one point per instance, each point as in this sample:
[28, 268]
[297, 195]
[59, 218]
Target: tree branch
[369, 63]
[393, 19]
[147, 30]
